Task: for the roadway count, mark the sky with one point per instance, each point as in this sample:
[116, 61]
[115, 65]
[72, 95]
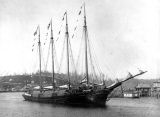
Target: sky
[125, 33]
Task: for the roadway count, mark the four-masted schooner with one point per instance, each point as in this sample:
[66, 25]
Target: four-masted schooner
[90, 95]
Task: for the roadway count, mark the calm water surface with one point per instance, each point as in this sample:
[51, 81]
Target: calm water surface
[13, 105]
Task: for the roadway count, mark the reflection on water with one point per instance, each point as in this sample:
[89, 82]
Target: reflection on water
[13, 105]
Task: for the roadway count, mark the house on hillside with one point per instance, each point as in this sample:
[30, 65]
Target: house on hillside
[144, 90]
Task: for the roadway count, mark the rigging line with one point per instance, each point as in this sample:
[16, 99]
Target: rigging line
[79, 52]
[34, 40]
[80, 60]
[75, 29]
[108, 68]
[79, 56]
[42, 56]
[47, 57]
[59, 32]
[94, 52]
[44, 44]
[61, 56]
[56, 60]
[45, 39]
[94, 55]
[34, 64]
[34, 43]
[72, 59]
[83, 64]
[98, 68]
[90, 56]
[93, 68]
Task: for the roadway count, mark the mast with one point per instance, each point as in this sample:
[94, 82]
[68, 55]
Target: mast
[39, 45]
[67, 46]
[52, 42]
[86, 48]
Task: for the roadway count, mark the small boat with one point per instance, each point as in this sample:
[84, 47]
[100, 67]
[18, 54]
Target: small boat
[85, 93]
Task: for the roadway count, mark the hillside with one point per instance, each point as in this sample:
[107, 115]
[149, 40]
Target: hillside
[12, 81]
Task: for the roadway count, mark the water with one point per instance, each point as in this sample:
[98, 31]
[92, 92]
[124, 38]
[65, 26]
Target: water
[13, 105]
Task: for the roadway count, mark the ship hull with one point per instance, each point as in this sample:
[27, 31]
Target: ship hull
[89, 98]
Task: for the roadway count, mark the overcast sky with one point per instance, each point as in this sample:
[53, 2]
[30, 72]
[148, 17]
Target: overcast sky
[126, 33]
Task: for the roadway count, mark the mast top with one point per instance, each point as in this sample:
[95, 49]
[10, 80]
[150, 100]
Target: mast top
[51, 29]
[38, 28]
[85, 23]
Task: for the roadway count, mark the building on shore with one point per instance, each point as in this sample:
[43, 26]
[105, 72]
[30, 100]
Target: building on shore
[144, 90]
[131, 94]
[156, 89]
